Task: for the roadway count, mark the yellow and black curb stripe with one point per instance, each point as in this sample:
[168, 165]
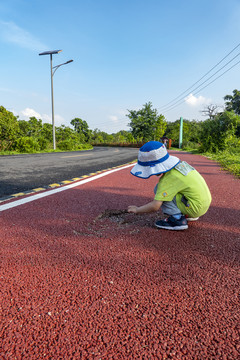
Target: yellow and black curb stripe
[54, 185]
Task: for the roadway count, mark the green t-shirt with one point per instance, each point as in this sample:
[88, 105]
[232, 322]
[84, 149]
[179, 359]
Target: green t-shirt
[192, 194]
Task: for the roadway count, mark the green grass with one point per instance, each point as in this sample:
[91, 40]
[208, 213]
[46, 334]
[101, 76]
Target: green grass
[6, 152]
[229, 161]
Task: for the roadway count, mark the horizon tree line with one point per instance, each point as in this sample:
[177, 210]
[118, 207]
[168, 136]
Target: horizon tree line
[221, 128]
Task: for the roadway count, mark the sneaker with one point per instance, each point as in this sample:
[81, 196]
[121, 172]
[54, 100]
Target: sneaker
[172, 224]
[192, 219]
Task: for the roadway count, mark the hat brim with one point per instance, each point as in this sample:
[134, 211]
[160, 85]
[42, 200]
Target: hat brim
[144, 172]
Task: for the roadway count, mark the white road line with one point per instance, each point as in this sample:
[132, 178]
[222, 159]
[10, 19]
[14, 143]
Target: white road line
[54, 191]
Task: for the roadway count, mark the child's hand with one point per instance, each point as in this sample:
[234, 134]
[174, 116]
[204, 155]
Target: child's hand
[132, 209]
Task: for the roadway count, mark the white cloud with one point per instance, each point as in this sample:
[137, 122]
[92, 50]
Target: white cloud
[12, 33]
[46, 118]
[113, 118]
[30, 113]
[58, 119]
[196, 101]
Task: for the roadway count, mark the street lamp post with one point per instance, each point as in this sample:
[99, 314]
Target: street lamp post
[52, 97]
[180, 133]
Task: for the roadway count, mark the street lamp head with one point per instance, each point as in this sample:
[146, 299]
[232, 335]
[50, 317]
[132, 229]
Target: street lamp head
[50, 52]
[58, 66]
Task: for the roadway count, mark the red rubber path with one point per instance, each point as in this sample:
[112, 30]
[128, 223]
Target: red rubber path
[79, 284]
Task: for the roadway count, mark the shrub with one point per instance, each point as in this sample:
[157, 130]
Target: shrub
[84, 146]
[217, 133]
[26, 144]
[66, 145]
[70, 144]
[190, 145]
[43, 143]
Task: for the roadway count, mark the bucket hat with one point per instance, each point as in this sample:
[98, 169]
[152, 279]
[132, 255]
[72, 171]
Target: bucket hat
[153, 159]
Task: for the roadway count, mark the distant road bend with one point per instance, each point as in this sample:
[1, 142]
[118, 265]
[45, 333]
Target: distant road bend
[24, 172]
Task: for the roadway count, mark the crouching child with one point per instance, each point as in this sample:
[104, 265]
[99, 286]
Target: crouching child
[181, 192]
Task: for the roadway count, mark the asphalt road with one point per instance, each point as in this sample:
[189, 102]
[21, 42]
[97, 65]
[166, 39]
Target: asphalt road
[24, 172]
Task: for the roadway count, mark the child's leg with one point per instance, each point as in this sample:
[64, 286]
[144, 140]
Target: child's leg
[176, 220]
[170, 208]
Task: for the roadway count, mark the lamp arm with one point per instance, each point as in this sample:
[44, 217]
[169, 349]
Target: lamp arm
[58, 66]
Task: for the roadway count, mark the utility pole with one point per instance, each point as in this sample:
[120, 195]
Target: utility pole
[180, 133]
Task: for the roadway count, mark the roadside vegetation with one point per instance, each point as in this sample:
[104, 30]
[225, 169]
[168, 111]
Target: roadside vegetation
[218, 137]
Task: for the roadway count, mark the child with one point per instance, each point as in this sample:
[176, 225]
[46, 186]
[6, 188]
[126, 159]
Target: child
[181, 192]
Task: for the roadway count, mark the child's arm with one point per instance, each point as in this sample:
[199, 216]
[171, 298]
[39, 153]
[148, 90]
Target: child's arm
[149, 207]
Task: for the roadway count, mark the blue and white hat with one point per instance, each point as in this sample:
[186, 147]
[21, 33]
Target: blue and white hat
[153, 159]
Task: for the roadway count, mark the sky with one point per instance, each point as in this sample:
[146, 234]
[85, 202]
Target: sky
[125, 53]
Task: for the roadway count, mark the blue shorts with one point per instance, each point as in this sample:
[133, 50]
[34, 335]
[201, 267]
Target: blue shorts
[169, 207]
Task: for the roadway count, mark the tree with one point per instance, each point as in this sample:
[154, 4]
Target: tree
[81, 126]
[210, 111]
[124, 136]
[66, 133]
[161, 126]
[35, 126]
[9, 127]
[47, 132]
[232, 102]
[217, 133]
[146, 124]
[191, 132]
[24, 128]
[98, 136]
[42, 134]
